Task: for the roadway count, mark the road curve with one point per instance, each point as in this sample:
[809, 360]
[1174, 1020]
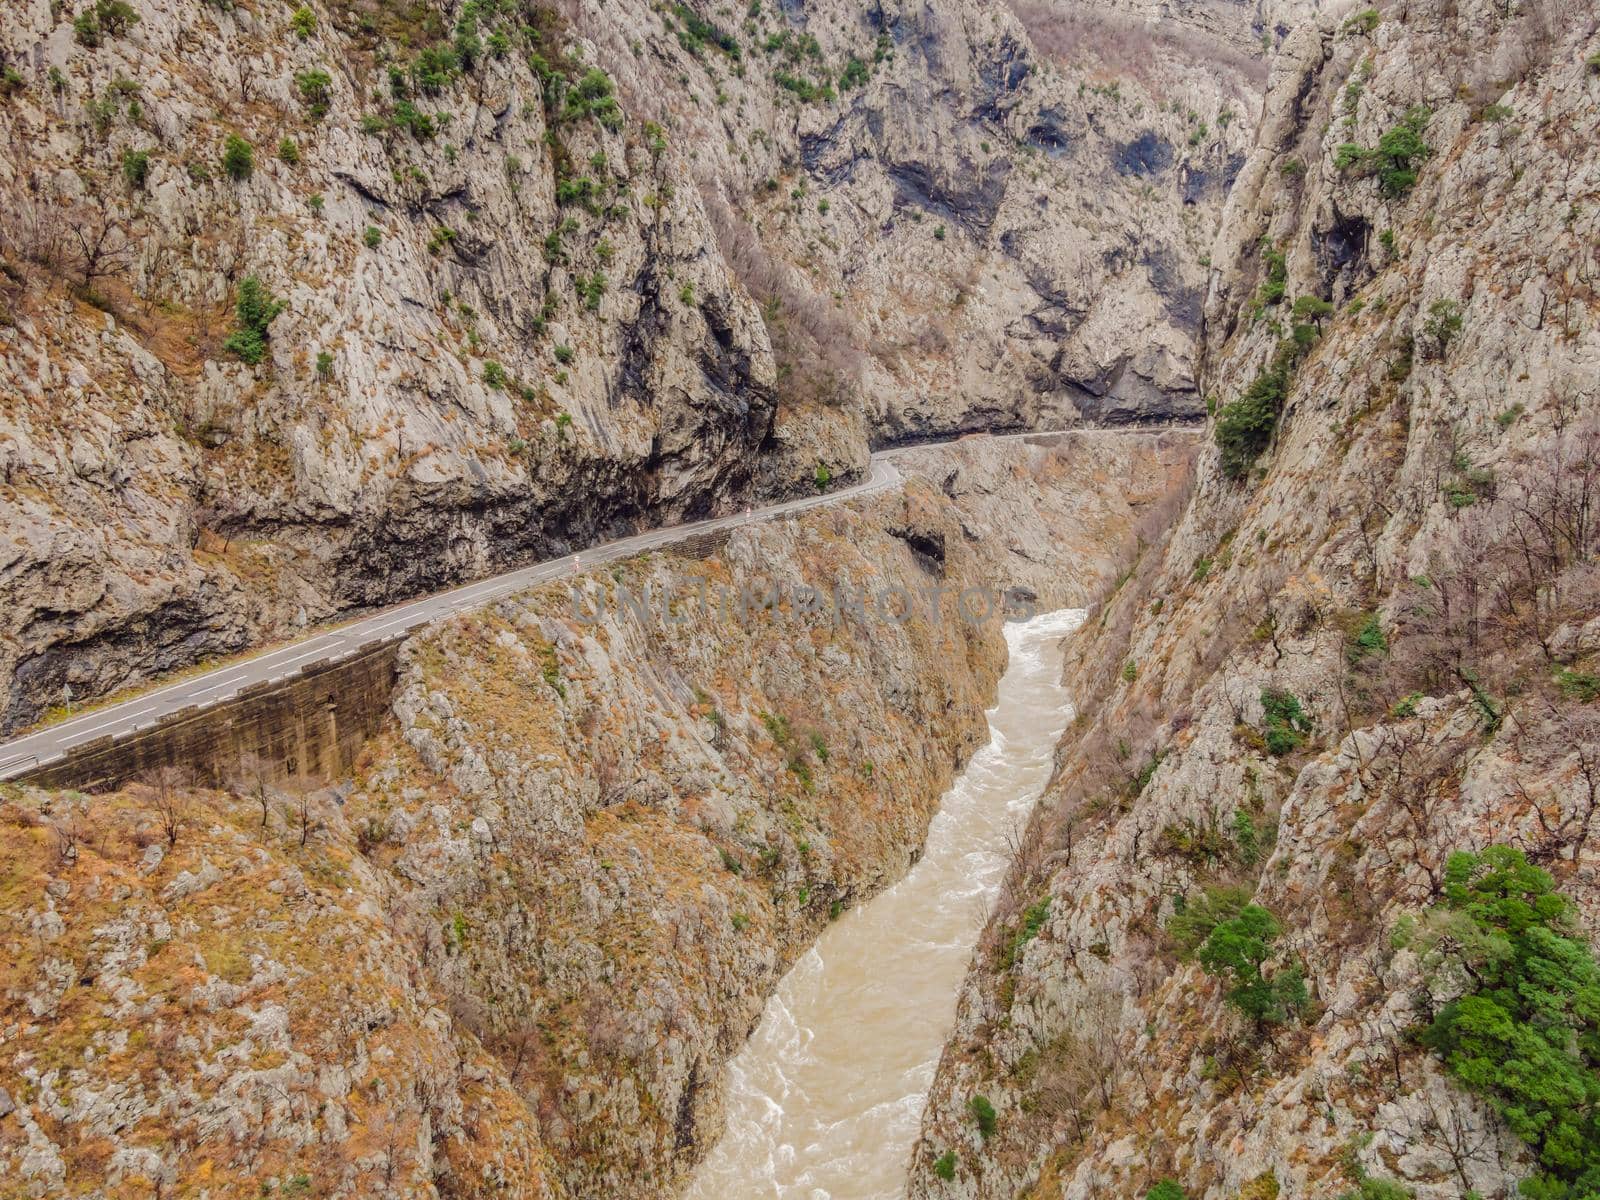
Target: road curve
[54, 742]
[151, 708]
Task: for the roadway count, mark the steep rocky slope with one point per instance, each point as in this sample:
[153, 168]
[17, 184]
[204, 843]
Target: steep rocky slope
[1008, 206]
[547, 275]
[438, 394]
[1368, 643]
[512, 954]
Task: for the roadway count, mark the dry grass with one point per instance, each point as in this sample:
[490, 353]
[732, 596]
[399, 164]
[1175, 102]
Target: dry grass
[818, 358]
[1127, 45]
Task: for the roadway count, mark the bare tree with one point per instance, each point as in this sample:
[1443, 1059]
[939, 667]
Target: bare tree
[252, 776]
[169, 801]
[68, 835]
[100, 247]
[302, 791]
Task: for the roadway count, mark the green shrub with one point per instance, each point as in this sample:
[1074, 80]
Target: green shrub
[1525, 1030]
[1277, 280]
[592, 288]
[304, 22]
[1238, 950]
[238, 158]
[414, 121]
[324, 365]
[256, 309]
[1033, 920]
[564, 355]
[494, 375]
[803, 88]
[1312, 308]
[983, 1113]
[316, 91]
[1582, 686]
[1246, 837]
[1287, 723]
[1394, 159]
[1192, 921]
[435, 68]
[1368, 639]
[939, 233]
[944, 1167]
[697, 32]
[823, 477]
[1167, 1189]
[1364, 21]
[107, 18]
[575, 190]
[855, 74]
[1443, 323]
[136, 168]
[288, 152]
[1245, 427]
[373, 237]
[594, 96]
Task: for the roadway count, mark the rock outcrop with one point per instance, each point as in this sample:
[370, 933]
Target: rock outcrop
[1367, 643]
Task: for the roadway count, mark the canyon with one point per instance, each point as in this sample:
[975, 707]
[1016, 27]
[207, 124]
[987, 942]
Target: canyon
[310, 309]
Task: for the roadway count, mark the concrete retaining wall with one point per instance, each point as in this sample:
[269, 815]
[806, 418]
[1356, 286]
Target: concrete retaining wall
[312, 724]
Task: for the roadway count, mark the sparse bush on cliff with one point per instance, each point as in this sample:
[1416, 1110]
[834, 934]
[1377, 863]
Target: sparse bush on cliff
[944, 1167]
[1245, 427]
[136, 168]
[1167, 1189]
[238, 158]
[256, 310]
[593, 96]
[1394, 159]
[983, 1113]
[1524, 1028]
[1442, 325]
[316, 91]
[1286, 721]
[1193, 920]
[105, 18]
[1238, 950]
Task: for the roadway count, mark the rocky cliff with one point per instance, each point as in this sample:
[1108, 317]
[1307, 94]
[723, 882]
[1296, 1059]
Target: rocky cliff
[1367, 644]
[512, 954]
[311, 308]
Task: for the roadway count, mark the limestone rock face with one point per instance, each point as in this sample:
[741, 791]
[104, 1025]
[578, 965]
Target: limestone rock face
[1004, 210]
[549, 275]
[1360, 561]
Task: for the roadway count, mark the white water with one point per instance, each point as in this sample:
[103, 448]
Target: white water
[826, 1097]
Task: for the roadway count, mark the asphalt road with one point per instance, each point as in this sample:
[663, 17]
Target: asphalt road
[152, 707]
